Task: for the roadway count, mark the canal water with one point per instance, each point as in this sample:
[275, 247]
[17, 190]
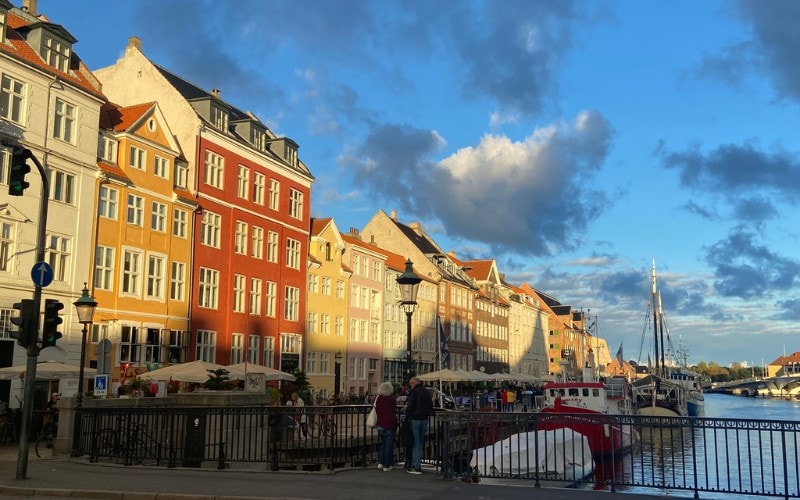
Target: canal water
[663, 462]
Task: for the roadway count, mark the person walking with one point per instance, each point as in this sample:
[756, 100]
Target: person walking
[418, 409]
[386, 409]
[300, 416]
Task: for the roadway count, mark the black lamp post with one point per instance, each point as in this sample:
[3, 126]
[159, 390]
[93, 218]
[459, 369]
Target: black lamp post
[337, 378]
[85, 307]
[409, 286]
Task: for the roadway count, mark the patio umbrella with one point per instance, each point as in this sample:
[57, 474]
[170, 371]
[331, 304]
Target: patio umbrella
[446, 375]
[194, 371]
[47, 370]
[240, 370]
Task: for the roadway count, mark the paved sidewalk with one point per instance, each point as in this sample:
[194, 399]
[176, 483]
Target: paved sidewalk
[76, 478]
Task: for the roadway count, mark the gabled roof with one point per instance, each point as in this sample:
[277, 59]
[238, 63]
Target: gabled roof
[319, 225]
[17, 46]
[785, 360]
[120, 119]
[112, 170]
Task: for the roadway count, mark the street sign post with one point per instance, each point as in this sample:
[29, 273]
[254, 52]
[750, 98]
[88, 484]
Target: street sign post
[101, 385]
[42, 274]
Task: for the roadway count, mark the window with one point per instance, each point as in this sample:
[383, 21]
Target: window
[12, 100]
[292, 253]
[295, 204]
[56, 53]
[103, 268]
[291, 309]
[376, 271]
[242, 181]
[107, 205]
[207, 345]
[214, 168]
[131, 272]
[339, 289]
[152, 346]
[129, 344]
[259, 182]
[313, 283]
[339, 326]
[179, 343]
[64, 121]
[325, 324]
[179, 221]
[272, 246]
[311, 362]
[107, 149]
[274, 192]
[135, 210]
[161, 167]
[255, 296]
[257, 242]
[269, 351]
[311, 323]
[219, 118]
[155, 277]
[158, 217]
[137, 157]
[208, 288]
[237, 348]
[240, 240]
[326, 286]
[57, 255]
[181, 174]
[271, 295]
[324, 362]
[6, 246]
[177, 281]
[62, 186]
[209, 229]
[238, 293]
[253, 348]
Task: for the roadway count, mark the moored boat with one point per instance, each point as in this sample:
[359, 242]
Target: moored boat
[565, 402]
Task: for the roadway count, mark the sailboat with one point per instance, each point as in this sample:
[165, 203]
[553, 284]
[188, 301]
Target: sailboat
[656, 394]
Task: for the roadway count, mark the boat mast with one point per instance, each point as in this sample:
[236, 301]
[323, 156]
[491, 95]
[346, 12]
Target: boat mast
[655, 319]
[661, 333]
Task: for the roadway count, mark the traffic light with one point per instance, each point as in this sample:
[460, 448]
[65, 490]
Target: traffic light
[50, 333]
[19, 169]
[23, 321]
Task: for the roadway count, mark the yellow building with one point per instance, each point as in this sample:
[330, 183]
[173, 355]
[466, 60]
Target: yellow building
[327, 318]
[141, 265]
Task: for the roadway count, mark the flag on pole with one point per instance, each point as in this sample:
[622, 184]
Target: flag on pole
[620, 358]
[444, 352]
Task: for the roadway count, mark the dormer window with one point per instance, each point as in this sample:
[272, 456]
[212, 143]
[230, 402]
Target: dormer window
[107, 149]
[219, 118]
[56, 53]
[257, 139]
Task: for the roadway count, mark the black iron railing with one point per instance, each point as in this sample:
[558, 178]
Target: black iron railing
[692, 455]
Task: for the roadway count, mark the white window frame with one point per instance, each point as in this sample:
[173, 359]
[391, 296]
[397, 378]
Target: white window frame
[293, 250]
[274, 194]
[296, 203]
[104, 267]
[272, 246]
[62, 186]
[108, 202]
[131, 272]
[181, 174]
[271, 302]
[107, 149]
[291, 306]
[208, 288]
[65, 121]
[210, 228]
[161, 166]
[206, 346]
[257, 242]
[214, 169]
[180, 220]
[156, 268]
[240, 238]
[238, 292]
[255, 296]
[137, 157]
[177, 282]
[242, 182]
[259, 184]
[12, 99]
[135, 212]
[237, 348]
[158, 217]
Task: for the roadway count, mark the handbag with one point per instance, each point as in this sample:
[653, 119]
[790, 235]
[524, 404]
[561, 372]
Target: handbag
[372, 418]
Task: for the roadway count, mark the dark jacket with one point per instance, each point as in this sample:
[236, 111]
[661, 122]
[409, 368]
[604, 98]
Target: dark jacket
[386, 408]
[420, 403]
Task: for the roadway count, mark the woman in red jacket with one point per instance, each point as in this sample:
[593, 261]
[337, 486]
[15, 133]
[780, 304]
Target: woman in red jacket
[386, 408]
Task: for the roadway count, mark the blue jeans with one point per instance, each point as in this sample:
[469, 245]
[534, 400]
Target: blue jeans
[418, 428]
[386, 450]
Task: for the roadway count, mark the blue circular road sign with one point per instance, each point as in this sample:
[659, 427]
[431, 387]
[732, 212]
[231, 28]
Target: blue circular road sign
[42, 274]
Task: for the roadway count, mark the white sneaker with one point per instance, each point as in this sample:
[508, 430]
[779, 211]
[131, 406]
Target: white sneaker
[387, 469]
[380, 467]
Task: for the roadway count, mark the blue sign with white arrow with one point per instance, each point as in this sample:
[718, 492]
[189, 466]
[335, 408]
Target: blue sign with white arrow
[42, 274]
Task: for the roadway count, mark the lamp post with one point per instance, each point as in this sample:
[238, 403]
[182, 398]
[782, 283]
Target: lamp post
[409, 286]
[337, 378]
[85, 307]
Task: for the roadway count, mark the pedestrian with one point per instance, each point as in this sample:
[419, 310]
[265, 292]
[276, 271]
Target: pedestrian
[300, 416]
[418, 409]
[386, 408]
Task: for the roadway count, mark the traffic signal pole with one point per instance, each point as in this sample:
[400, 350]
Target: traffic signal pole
[33, 348]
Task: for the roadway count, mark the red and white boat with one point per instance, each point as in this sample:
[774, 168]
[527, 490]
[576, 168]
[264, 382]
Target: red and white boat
[566, 402]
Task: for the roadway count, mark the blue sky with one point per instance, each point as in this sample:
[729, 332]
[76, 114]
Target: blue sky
[573, 142]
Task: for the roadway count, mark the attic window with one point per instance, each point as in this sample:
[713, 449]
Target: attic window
[56, 53]
[290, 155]
[219, 118]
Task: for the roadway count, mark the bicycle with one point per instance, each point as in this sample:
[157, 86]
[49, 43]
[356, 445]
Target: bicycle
[45, 439]
[325, 427]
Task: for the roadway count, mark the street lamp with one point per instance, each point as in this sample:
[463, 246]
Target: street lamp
[337, 378]
[85, 307]
[409, 286]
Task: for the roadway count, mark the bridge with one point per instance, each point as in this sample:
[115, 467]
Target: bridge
[783, 386]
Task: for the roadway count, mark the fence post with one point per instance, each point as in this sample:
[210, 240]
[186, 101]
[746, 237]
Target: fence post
[221, 438]
[694, 459]
[445, 440]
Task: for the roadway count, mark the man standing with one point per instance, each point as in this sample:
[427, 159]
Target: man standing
[418, 409]
[300, 416]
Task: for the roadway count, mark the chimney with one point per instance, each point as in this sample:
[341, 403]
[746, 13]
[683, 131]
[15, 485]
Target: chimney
[135, 42]
[416, 227]
[29, 6]
[394, 215]
[354, 233]
[451, 253]
[216, 93]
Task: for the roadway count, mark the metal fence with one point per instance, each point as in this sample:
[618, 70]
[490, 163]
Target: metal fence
[693, 455]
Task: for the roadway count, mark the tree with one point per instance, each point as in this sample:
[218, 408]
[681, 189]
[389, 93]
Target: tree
[218, 380]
